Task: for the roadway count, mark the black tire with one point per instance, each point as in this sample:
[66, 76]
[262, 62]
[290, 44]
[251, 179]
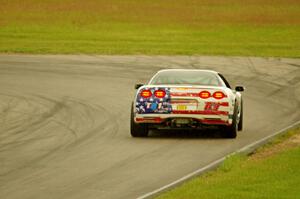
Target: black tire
[240, 125]
[137, 130]
[231, 131]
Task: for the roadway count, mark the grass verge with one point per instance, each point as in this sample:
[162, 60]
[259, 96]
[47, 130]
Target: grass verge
[271, 172]
[193, 27]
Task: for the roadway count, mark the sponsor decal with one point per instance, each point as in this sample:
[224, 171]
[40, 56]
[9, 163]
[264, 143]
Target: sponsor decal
[173, 94]
[214, 106]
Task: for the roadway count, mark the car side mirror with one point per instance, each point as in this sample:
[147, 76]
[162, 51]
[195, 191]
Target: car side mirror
[239, 88]
[137, 86]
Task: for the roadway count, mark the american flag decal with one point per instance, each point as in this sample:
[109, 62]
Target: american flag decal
[153, 104]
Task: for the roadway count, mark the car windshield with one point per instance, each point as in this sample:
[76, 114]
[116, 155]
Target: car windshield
[192, 77]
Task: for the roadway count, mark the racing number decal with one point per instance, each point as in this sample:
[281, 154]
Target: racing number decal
[154, 105]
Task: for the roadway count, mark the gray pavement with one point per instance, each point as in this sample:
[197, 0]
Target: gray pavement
[64, 122]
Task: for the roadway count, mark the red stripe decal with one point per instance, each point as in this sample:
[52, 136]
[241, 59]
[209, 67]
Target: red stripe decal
[223, 103]
[184, 102]
[214, 122]
[208, 112]
[152, 119]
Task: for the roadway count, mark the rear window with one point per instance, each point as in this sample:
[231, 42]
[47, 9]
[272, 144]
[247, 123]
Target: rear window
[205, 78]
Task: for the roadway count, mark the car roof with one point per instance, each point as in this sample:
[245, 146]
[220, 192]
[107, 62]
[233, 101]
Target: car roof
[182, 70]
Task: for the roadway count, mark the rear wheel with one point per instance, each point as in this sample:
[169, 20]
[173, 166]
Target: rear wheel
[231, 131]
[240, 126]
[137, 130]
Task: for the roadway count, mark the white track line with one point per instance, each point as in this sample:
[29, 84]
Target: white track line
[248, 148]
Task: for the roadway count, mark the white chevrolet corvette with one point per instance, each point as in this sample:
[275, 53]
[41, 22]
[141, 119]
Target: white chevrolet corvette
[185, 99]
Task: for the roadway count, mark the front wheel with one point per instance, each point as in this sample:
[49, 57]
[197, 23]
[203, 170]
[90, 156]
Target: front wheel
[137, 130]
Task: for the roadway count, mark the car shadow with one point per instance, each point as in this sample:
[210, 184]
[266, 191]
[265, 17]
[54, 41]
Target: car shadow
[186, 134]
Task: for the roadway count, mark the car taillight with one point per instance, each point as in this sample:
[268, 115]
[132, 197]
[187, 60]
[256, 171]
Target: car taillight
[218, 95]
[204, 94]
[146, 93]
[160, 94]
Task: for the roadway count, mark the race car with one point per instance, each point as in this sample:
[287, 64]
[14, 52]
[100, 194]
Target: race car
[187, 99]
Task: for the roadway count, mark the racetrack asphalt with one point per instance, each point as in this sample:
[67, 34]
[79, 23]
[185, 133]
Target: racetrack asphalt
[64, 122]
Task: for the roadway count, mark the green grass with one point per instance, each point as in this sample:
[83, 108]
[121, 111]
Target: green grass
[275, 176]
[194, 27]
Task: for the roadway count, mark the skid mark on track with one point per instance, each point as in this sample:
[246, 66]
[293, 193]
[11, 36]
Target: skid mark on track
[35, 122]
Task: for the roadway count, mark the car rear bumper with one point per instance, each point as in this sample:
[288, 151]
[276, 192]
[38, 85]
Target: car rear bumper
[208, 118]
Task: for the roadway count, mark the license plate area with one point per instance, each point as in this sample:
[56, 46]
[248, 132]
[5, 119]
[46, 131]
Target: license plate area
[181, 107]
[184, 105]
